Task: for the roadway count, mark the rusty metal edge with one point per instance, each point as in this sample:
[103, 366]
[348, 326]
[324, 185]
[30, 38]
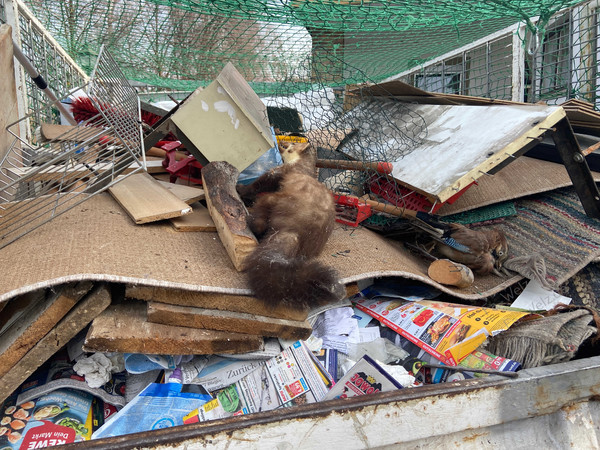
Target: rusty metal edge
[555, 373]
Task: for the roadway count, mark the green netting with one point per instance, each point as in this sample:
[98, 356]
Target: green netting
[183, 44]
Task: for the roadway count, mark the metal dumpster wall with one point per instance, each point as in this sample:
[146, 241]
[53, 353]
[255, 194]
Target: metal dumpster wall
[546, 407]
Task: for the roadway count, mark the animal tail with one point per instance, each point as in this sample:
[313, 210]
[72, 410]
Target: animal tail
[277, 277]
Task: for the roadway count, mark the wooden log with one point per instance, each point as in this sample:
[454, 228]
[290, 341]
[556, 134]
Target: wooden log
[22, 335]
[450, 273]
[96, 301]
[236, 322]
[212, 300]
[146, 200]
[124, 328]
[228, 211]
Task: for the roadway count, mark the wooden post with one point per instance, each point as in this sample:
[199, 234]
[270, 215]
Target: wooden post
[577, 167]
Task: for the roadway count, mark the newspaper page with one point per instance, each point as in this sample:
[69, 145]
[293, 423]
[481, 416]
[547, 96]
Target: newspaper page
[447, 331]
[292, 377]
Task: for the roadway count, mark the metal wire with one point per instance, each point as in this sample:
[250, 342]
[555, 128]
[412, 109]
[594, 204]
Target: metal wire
[42, 180]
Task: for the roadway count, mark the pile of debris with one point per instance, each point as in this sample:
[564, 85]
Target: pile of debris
[454, 263]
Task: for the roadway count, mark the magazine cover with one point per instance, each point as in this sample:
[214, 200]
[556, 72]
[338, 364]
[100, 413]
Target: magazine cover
[447, 331]
[365, 377]
[293, 377]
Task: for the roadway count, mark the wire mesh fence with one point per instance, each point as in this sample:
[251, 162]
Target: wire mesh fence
[319, 58]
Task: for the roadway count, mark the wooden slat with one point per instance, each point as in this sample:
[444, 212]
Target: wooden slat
[124, 328]
[21, 336]
[187, 194]
[247, 100]
[214, 300]
[236, 322]
[146, 200]
[198, 220]
[9, 112]
[76, 320]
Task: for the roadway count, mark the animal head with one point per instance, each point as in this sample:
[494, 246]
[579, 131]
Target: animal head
[499, 249]
[294, 151]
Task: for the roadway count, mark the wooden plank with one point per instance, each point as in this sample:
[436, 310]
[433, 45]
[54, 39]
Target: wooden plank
[146, 200]
[236, 322]
[228, 211]
[212, 300]
[96, 301]
[21, 336]
[9, 111]
[198, 220]
[187, 194]
[243, 95]
[577, 167]
[52, 131]
[124, 328]
[154, 166]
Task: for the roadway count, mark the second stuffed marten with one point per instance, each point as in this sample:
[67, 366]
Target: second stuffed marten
[292, 214]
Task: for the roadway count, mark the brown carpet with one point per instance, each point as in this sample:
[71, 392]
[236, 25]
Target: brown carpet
[98, 241]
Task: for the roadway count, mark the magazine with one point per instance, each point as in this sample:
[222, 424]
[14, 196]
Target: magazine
[293, 377]
[365, 377]
[60, 417]
[447, 331]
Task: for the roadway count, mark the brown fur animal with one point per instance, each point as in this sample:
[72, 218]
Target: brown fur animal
[292, 214]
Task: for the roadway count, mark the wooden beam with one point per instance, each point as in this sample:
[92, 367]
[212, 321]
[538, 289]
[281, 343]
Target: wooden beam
[235, 322]
[214, 300]
[146, 200]
[577, 167]
[124, 328]
[96, 301]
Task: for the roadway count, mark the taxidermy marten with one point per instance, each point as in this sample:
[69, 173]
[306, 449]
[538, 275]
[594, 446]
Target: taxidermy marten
[292, 215]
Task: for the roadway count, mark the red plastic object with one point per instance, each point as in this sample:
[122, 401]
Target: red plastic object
[188, 169]
[403, 197]
[363, 210]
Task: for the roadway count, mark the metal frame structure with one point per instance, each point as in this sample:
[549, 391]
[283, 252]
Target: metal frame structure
[42, 180]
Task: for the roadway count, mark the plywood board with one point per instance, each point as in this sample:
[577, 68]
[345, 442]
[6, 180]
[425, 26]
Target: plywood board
[525, 176]
[76, 320]
[223, 127]
[187, 194]
[21, 336]
[8, 93]
[236, 322]
[198, 220]
[98, 241]
[154, 165]
[462, 143]
[213, 300]
[124, 328]
[52, 131]
[146, 200]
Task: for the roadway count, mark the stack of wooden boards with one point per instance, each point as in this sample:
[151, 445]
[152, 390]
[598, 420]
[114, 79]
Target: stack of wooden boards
[139, 319]
[33, 327]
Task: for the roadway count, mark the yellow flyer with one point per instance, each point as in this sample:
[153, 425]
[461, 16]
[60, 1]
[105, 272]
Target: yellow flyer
[448, 331]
